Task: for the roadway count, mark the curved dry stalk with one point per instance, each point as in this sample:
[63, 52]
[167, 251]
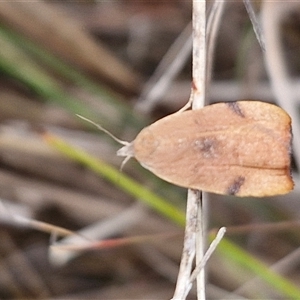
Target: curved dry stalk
[272, 15]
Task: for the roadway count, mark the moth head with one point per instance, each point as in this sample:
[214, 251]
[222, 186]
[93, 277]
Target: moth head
[126, 151]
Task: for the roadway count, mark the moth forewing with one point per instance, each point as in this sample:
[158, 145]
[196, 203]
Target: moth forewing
[240, 148]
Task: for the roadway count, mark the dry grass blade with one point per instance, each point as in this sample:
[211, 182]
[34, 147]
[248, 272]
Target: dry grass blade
[56, 31]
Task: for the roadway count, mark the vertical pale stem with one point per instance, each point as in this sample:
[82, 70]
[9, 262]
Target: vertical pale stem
[194, 239]
[183, 285]
[199, 80]
[199, 53]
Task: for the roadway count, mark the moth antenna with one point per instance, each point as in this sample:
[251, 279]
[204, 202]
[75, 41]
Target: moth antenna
[105, 131]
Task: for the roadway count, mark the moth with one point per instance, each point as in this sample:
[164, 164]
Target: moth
[238, 148]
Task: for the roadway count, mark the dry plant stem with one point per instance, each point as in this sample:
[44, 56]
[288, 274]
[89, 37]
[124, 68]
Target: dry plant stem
[199, 83]
[255, 24]
[199, 53]
[208, 253]
[171, 64]
[194, 240]
[213, 24]
[97, 231]
[188, 253]
[272, 16]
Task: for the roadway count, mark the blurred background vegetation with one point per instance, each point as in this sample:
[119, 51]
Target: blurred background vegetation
[96, 59]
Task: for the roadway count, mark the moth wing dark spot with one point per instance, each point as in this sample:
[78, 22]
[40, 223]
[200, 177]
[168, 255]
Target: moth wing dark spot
[236, 185]
[208, 146]
[234, 106]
